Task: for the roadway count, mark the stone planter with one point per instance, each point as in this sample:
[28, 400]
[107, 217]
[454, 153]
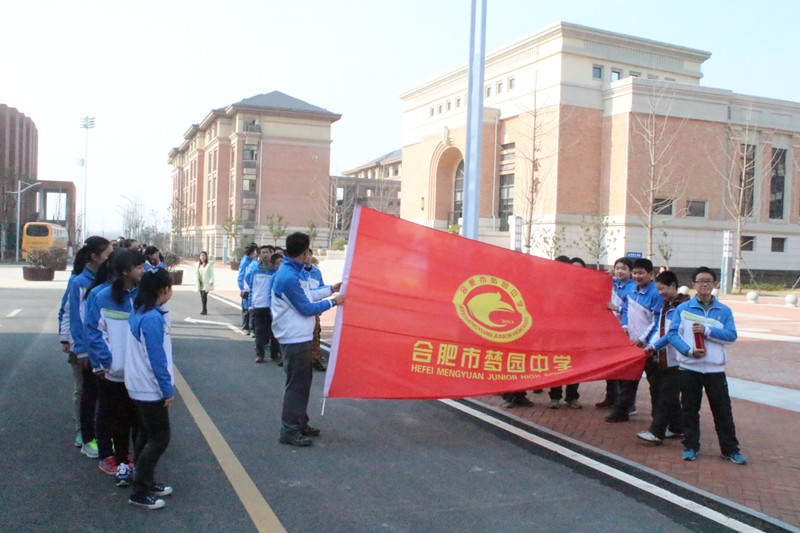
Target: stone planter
[30, 273]
[234, 265]
[177, 277]
[61, 265]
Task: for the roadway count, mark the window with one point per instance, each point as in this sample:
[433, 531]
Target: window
[37, 230]
[778, 244]
[695, 208]
[508, 146]
[488, 91]
[440, 109]
[506, 199]
[652, 77]
[511, 83]
[499, 87]
[748, 243]
[507, 157]
[597, 72]
[662, 206]
[449, 105]
[635, 74]
[747, 178]
[776, 184]
[458, 102]
[431, 112]
[458, 193]
[669, 79]
[616, 74]
[507, 166]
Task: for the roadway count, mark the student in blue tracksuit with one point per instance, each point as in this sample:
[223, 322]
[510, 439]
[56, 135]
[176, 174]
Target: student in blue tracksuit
[257, 280]
[664, 381]
[153, 259]
[704, 368]
[250, 254]
[96, 251]
[66, 346]
[294, 306]
[107, 327]
[643, 304]
[150, 379]
[622, 285]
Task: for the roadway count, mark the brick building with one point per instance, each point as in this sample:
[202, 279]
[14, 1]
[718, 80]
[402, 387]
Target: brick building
[572, 117]
[375, 184]
[264, 156]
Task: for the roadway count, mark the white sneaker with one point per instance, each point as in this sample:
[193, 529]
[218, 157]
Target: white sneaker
[672, 435]
[649, 437]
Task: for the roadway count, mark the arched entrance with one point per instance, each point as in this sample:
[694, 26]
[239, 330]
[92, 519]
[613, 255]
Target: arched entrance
[449, 186]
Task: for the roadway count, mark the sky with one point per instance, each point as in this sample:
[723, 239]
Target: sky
[147, 70]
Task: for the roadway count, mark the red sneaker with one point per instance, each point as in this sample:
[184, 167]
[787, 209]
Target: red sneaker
[108, 466]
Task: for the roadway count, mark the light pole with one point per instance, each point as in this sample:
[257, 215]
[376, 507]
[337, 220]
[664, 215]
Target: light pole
[19, 192]
[87, 123]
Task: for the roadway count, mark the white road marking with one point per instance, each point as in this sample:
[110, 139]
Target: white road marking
[769, 337]
[226, 324]
[752, 391]
[225, 301]
[609, 471]
[13, 313]
[761, 317]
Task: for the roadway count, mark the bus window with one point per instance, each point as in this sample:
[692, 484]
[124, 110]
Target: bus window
[37, 230]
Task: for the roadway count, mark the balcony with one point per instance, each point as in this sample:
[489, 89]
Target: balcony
[252, 128]
[250, 163]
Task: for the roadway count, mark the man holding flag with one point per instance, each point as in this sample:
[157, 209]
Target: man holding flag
[294, 308]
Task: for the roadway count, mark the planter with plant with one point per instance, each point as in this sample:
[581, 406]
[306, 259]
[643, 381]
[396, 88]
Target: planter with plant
[171, 261]
[39, 266]
[59, 256]
[236, 254]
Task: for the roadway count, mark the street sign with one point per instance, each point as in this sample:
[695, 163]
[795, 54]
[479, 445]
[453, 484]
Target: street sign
[634, 255]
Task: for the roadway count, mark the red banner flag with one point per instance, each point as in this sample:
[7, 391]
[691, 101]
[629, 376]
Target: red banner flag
[433, 315]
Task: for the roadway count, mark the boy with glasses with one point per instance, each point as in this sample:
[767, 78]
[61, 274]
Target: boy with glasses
[699, 331]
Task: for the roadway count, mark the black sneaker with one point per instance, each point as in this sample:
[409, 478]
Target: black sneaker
[160, 489]
[605, 404]
[146, 500]
[310, 432]
[617, 416]
[299, 440]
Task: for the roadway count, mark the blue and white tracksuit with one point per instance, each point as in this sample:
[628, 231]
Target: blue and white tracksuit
[243, 266]
[90, 303]
[706, 372]
[619, 295]
[150, 268]
[63, 314]
[76, 311]
[641, 307]
[295, 303]
[149, 376]
[257, 279]
[107, 328]
[720, 330]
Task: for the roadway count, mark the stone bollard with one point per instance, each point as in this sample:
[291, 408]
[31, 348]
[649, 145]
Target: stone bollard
[683, 290]
[752, 297]
[715, 293]
[791, 300]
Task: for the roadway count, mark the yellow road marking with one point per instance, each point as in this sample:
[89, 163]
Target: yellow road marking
[254, 503]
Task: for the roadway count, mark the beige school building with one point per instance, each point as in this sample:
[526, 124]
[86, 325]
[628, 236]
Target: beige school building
[585, 126]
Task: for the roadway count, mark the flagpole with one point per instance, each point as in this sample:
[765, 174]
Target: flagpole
[472, 163]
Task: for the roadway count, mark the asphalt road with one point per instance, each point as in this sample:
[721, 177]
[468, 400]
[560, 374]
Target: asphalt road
[399, 466]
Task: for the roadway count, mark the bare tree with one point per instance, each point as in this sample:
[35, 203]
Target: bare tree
[740, 175]
[595, 237]
[276, 224]
[537, 123]
[665, 248]
[659, 192]
[552, 241]
[133, 221]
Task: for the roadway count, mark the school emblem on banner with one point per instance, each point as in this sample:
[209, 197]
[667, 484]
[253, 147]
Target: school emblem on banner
[493, 308]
